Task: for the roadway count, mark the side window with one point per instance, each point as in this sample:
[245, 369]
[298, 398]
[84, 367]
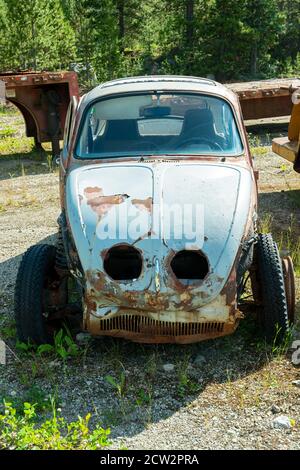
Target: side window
[69, 122]
[68, 125]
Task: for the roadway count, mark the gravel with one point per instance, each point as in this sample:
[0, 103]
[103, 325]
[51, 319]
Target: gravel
[223, 394]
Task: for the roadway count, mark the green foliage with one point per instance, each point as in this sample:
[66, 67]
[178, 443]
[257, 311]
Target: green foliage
[280, 348]
[34, 34]
[105, 39]
[118, 384]
[144, 397]
[186, 385]
[23, 433]
[36, 396]
[63, 347]
[7, 132]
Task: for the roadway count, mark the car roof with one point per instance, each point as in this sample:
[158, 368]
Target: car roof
[169, 83]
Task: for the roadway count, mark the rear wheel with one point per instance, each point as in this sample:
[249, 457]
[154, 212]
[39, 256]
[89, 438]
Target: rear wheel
[272, 291]
[40, 295]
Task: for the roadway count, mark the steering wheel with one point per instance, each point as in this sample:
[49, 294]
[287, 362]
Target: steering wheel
[203, 140]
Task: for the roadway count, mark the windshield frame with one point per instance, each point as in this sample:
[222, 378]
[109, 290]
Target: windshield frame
[240, 130]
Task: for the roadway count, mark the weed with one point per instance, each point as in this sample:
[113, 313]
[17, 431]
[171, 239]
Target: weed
[254, 140]
[22, 432]
[269, 379]
[144, 397]
[35, 395]
[113, 352]
[281, 348]
[265, 223]
[151, 366]
[112, 416]
[259, 151]
[283, 167]
[118, 384]
[7, 132]
[8, 332]
[4, 109]
[17, 145]
[63, 347]
[289, 244]
[186, 386]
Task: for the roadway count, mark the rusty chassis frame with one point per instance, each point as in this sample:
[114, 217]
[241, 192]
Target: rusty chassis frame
[43, 99]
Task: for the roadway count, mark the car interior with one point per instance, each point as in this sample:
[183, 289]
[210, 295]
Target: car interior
[159, 124]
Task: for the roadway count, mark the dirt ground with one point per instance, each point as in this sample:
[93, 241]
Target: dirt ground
[220, 394]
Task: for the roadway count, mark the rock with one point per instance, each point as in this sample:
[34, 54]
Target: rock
[168, 367]
[83, 338]
[13, 393]
[282, 422]
[54, 363]
[294, 334]
[296, 383]
[199, 361]
[275, 409]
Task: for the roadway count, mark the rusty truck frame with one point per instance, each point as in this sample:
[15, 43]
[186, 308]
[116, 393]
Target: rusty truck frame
[43, 99]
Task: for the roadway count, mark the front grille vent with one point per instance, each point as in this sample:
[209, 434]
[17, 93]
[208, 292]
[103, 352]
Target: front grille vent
[145, 325]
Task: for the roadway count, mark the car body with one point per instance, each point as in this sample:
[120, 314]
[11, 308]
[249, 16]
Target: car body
[227, 191]
[159, 209]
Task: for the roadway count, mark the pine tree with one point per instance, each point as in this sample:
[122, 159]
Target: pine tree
[36, 35]
[287, 50]
[264, 21]
[226, 40]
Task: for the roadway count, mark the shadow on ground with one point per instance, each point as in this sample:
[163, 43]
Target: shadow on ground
[125, 385]
[142, 391]
[32, 163]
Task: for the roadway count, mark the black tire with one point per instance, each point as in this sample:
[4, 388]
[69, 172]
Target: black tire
[36, 266]
[275, 322]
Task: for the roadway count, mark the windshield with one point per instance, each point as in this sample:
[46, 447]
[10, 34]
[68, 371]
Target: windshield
[159, 124]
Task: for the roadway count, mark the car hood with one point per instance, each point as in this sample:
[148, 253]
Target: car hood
[110, 204]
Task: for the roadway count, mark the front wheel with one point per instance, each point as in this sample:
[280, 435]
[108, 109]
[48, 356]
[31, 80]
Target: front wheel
[271, 282]
[39, 294]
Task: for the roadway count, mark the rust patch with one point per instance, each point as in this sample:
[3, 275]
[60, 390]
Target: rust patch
[95, 190]
[91, 304]
[100, 203]
[97, 280]
[143, 204]
[142, 329]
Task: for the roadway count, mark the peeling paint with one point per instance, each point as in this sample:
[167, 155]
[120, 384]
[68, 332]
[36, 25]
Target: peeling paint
[100, 203]
[143, 204]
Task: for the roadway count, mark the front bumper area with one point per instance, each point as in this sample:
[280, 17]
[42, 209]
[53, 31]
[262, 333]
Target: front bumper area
[167, 327]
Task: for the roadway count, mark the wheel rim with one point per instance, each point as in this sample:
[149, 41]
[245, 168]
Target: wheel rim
[289, 284]
[54, 299]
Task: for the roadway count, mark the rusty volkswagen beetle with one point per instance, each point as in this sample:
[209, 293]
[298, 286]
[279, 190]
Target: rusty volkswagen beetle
[158, 225]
